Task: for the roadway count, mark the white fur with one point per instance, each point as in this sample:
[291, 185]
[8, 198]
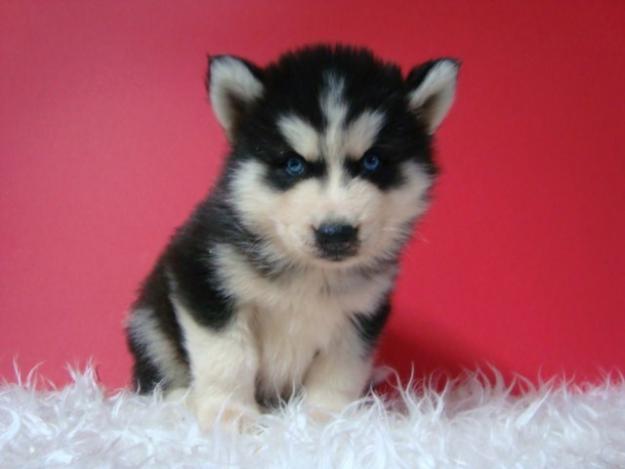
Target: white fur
[436, 93]
[301, 136]
[334, 109]
[339, 373]
[230, 77]
[472, 425]
[361, 133]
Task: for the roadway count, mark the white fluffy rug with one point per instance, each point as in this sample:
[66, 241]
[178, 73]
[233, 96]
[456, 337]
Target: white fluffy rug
[473, 423]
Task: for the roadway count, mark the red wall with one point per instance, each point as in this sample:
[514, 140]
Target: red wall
[107, 140]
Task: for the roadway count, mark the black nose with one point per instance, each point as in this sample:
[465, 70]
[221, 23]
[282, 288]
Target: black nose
[336, 233]
[337, 240]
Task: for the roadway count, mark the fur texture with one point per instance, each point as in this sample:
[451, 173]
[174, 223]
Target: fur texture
[278, 283]
[474, 423]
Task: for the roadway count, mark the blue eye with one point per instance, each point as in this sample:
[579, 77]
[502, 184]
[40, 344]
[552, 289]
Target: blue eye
[295, 166]
[370, 162]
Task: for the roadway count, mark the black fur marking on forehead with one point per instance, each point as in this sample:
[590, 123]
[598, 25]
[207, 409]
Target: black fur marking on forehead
[296, 81]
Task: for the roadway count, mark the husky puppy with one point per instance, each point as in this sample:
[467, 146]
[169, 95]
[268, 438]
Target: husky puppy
[278, 284]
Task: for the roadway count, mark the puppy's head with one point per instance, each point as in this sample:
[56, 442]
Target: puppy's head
[331, 149]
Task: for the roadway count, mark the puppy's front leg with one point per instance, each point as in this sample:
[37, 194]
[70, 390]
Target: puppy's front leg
[338, 374]
[223, 366]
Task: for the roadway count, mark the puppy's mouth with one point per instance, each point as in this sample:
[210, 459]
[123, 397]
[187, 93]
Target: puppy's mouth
[337, 252]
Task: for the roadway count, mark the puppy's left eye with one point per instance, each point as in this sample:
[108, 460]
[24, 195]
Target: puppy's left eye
[370, 162]
[295, 165]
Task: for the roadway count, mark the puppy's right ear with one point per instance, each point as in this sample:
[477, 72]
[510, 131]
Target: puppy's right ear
[233, 85]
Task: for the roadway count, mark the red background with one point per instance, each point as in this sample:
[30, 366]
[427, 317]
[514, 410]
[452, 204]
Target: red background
[107, 141]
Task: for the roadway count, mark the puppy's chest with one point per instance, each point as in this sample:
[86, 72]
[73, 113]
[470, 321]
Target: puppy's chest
[287, 342]
[297, 319]
[303, 314]
[290, 328]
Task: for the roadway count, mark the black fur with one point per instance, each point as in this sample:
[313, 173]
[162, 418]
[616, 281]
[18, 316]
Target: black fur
[370, 326]
[155, 295]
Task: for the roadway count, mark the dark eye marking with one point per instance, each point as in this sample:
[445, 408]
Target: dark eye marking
[288, 168]
[377, 167]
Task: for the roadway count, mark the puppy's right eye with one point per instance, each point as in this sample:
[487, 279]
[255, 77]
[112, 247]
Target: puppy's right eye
[295, 165]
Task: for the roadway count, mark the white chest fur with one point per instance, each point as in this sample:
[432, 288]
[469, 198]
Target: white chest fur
[296, 316]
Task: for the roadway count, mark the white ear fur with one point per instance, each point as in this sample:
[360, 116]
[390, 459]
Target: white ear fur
[434, 95]
[232, 87]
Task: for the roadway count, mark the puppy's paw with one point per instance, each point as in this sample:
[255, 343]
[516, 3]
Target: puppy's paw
[177, 396]
[212, 413]
[323, 407]
[320, 415]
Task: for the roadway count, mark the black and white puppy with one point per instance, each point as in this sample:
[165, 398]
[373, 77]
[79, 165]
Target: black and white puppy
[278, 284]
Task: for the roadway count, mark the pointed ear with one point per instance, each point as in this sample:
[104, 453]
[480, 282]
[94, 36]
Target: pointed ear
[431, 90]
[233, 85]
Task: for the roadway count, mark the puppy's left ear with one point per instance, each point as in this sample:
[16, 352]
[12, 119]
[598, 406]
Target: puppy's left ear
[431, 90]
[233, 85]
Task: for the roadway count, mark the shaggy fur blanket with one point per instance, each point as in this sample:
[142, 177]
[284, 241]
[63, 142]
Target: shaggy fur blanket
[472, 423]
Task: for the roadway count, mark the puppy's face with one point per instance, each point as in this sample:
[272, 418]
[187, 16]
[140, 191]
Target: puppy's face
[331, 160]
